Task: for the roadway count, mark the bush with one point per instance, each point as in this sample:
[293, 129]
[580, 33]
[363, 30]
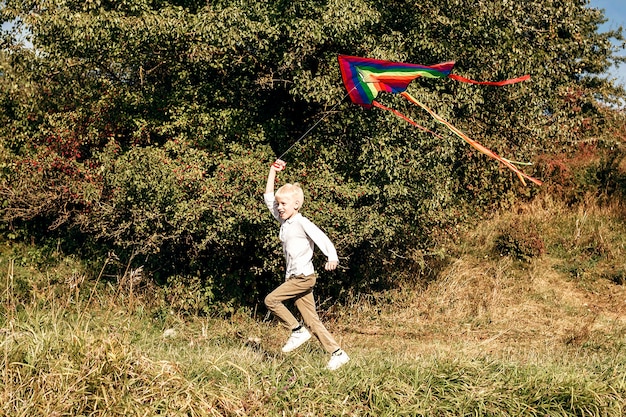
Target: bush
[147, 128]
[520, 240]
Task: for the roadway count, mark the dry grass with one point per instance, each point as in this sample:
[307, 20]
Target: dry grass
[494, 335]
[497, 304]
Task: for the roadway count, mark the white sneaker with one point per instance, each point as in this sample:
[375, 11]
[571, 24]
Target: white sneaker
[297, 338]
[337, 360]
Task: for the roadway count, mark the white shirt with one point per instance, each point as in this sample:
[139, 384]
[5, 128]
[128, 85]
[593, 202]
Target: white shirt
[298, 236]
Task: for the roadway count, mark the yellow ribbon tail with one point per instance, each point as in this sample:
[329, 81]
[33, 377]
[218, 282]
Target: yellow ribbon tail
[521, 175]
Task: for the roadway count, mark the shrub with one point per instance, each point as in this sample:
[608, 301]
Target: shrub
[147, 129]
[520, 240]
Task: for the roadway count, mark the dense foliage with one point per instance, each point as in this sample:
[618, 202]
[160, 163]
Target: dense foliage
[147, 127]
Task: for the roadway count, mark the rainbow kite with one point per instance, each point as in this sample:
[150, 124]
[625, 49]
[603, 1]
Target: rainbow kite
[364, 78]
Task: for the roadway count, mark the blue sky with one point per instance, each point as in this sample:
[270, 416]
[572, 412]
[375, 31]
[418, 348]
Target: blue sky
[615, 11]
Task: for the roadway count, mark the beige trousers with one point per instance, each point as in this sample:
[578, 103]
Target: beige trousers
[300, 289]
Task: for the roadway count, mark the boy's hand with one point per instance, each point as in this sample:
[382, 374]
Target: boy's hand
[276, 166]
[279, 165]
[331, 265]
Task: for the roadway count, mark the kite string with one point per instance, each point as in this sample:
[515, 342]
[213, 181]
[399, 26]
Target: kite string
[316, 123]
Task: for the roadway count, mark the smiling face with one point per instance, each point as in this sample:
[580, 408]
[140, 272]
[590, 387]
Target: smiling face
[287, 206]
[289, 198]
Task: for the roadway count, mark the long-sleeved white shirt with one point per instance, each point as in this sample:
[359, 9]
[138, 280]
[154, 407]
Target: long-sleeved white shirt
[298, 236]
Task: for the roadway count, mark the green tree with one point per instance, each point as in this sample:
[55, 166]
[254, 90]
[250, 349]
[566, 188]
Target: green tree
[150, 125]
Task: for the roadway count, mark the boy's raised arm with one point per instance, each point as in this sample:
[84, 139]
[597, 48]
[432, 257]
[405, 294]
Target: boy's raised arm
[277, 166]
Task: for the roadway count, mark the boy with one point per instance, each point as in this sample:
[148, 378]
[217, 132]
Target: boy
[298, 236]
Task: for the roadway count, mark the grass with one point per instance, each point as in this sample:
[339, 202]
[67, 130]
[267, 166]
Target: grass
[513, 326]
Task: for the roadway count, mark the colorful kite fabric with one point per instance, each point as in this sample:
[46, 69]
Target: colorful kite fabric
[364, 78]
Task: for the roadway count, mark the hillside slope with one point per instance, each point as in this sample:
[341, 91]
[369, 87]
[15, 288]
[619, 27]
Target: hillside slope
[568, 293]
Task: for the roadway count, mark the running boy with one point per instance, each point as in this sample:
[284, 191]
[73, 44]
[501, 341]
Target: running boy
[298, 236]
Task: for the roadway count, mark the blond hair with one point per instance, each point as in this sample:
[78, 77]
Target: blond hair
[293, 190]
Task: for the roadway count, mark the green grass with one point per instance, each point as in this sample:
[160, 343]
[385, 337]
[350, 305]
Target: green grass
[56, 364]
[63, 366]
[492, 336]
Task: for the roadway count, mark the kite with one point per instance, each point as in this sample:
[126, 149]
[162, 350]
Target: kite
[364, 78]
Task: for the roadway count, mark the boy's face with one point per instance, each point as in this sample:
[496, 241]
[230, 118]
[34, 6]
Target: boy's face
[287, 206]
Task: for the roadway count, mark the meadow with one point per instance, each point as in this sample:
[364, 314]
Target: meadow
[525, 316]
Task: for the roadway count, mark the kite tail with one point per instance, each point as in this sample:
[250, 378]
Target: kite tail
[495, 83]
[397, 113]
[472, 142]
